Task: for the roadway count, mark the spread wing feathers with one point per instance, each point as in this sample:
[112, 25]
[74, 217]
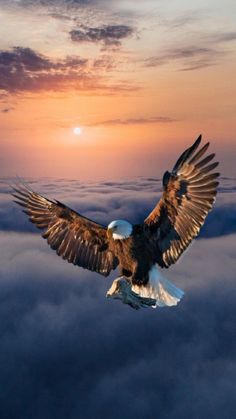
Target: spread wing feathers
[188, 195]
[75, 238]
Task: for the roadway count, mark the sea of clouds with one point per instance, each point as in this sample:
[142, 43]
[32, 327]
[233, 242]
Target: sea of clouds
[68, 352]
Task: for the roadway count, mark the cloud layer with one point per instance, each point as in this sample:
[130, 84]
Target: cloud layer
[131, 199]
[66, 351]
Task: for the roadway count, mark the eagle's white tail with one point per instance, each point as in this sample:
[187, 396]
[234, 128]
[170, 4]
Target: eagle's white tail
[163, 291]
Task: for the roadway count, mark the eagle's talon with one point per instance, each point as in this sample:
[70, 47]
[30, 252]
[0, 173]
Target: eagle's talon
[121, 290]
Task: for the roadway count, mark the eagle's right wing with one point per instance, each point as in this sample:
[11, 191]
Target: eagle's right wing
[75, 238]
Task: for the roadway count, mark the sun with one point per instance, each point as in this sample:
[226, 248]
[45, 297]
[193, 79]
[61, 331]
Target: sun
[77, 131]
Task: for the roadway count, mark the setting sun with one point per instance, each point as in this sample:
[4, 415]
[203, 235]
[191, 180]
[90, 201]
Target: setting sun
[77, 131]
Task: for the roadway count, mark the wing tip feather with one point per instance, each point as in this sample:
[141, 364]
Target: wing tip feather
[200, 178]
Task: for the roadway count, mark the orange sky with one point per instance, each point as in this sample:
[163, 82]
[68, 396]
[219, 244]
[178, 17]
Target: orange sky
[141, 82]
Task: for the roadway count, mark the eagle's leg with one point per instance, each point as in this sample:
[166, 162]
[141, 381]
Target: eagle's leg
[121, 290]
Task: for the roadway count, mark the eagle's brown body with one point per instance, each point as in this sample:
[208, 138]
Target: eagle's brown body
[136, 254]
[189, 192]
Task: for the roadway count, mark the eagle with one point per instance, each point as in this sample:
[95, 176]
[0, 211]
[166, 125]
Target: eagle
[138, 250]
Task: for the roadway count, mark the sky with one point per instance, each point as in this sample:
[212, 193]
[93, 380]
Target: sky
[141, 79]
[66, 351]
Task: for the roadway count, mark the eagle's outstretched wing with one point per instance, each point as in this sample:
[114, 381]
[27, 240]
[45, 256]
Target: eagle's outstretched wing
[188, 195]
[75, 238]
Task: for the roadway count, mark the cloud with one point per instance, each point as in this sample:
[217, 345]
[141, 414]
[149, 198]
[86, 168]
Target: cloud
[25, 70]
[131, 199]
[82, 14]
[105, 61]
[136, 121]
[222, 37]
[60, 16]
[48, 4]
[24, 58]
[102, 201]
[109, 35]
[67, 351]
[190, 58]
[206, 53]
[7, 110]
[189, 17]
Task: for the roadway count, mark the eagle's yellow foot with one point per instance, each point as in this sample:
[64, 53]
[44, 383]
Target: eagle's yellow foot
[121, 290]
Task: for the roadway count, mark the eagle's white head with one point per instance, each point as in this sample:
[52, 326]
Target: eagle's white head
[120, 229]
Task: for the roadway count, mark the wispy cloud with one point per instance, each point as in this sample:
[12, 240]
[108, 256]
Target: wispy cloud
[222, 37]
[60, 16]
[178, 22]
[136, 121]
[206, 53]
[189, 58]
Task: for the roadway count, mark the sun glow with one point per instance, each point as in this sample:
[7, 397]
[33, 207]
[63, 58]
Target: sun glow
[77, 131]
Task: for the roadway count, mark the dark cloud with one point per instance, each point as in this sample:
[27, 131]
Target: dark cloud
[7, 110]
[109, 35]
[190, 58]
[25, 70]
[48, 4]
[53, 6]
[67, 351]
[24, 59]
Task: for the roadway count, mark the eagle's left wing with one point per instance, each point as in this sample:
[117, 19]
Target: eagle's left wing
[74, 237]
[188, 195]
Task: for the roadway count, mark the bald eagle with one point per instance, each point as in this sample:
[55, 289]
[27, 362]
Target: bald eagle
[189, 192]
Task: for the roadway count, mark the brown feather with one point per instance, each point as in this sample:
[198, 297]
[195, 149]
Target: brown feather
[75, 238]
[188, 196]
